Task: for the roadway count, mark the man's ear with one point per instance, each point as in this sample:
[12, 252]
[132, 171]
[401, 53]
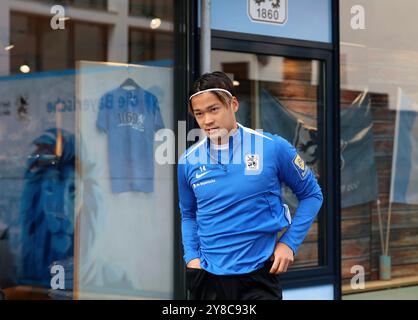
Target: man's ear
[235, 104]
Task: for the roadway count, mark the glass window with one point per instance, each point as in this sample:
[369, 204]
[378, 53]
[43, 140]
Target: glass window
[41, 48]
[379, 139]
[282, 96]
[147, 45]
[86, 210]
[151, 9]
[89, 4]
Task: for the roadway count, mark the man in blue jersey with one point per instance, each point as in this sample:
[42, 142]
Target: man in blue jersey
[231, 205]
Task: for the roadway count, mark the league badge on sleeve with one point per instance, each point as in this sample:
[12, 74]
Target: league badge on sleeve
[300, 166]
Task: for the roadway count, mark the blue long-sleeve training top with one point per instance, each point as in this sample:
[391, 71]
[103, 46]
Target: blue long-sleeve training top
[230, 200]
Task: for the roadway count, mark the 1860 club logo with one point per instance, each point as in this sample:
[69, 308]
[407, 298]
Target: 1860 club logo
[268, 11]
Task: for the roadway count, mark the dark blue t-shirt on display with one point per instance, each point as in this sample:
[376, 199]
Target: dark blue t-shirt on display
[130, 118]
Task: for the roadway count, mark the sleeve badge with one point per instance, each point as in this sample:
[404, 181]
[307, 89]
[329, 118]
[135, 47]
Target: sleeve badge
[300, 166]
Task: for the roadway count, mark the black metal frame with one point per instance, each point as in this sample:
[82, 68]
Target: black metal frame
[335, 140]
[185, 72]
[187, 69]
[230, 41]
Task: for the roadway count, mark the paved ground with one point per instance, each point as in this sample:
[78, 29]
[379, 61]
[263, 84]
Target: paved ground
[407, 293]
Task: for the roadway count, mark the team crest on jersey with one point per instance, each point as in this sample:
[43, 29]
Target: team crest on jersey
[300, 166]
[252, 162]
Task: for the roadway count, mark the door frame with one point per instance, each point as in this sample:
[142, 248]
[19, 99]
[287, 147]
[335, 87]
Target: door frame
[187, 54]
[329, 240]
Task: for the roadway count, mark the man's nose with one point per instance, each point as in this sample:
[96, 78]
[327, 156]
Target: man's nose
[208, 119]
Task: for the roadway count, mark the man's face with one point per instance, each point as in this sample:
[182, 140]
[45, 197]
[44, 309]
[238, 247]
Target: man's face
[212, 116]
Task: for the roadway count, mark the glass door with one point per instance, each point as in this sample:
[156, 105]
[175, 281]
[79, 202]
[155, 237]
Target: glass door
[286, 96]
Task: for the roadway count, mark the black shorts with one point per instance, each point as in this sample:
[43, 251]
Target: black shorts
[257, 285]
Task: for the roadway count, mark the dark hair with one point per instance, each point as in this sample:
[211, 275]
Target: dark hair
[217, 79]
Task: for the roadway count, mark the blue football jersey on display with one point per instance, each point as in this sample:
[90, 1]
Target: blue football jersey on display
[130, 118]
[47, 208]
[231, 204]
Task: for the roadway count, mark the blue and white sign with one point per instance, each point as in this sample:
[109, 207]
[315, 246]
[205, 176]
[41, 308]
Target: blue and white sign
[268, 11]
[296, 19]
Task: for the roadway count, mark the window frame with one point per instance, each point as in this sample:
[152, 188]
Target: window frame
[328, 244]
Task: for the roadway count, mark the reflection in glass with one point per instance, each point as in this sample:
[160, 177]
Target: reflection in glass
[379, 184]
[55, 201]
[152, 9]
[44, 49]
[47, 208]
[131, 103]
[89, 4]
[147, 45]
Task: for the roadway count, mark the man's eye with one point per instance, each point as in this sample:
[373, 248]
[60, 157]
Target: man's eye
[197, 114]
[215, 109]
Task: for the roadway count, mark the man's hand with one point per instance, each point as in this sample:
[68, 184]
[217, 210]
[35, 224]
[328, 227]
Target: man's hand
[283, 257]
[194, 264]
